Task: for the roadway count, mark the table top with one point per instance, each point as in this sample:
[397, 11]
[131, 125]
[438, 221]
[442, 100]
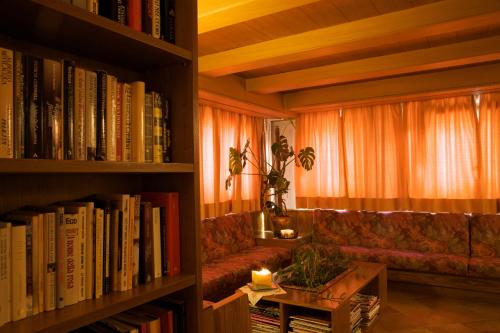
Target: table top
[338, 292]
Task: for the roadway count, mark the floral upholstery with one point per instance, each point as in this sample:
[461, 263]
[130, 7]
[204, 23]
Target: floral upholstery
[485, 267]
[221, 277]
[226, 235]
[409, 260]
[421, 232]
[485, 236]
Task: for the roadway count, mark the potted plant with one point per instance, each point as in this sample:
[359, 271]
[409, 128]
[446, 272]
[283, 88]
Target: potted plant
[274, 184]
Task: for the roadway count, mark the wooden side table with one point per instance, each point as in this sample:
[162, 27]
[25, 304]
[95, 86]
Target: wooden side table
[267, 239]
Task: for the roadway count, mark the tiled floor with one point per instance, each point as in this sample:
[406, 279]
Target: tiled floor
[418, 309]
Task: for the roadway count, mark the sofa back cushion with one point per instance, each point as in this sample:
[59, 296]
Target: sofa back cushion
[485, 235]
[225, 235]
[421, 232]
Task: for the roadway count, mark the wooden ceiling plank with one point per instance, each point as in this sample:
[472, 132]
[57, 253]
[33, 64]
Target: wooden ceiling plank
[384, 30]
[242, 11]
[452, 55]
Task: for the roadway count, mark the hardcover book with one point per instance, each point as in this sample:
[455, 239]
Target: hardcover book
[5, 272]
[79, 116]
[148, 128]
[6, 103]
[157, 128]
[34, 128]
[135, 14]
[119, 121]
[111, 119]
[69, 109]
[138, 100]
[126, 122]
[19, 113]
[91, 114]
[146, 268]
[19, 265]
[102, 102]
[52, 109]
[168, 20]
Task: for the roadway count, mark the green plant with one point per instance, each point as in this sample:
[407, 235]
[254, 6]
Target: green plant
[273, 178]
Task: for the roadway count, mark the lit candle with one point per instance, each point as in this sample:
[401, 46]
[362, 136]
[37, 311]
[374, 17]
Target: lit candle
[262, 278]
[287, 233]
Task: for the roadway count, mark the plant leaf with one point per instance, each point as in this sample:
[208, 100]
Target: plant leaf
[281, 149]
[235, 162]
[228, 182]
[307, 157]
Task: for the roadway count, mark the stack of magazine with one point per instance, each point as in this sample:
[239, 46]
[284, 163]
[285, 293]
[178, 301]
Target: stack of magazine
[370, 307]
[355, 317]
[308, 324]
[265, 318]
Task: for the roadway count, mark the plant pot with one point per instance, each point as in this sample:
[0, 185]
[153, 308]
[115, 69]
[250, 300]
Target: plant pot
[280, 223]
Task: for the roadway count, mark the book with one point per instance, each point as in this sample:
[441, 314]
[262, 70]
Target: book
[135, 14]
[69, 108]
[105, 9]
[5, 272]
[118, 326]
[72, 251]
[168, 21]
[146, 268]
[52, 109]
[111, 119]
[163, 243]
[126, 123]
[148, 128]
[60, 255]
[33, 117]
[106, 206]
[170, 201]
[136, 240]
[156, 19]
[80, 3]
[130, 242]
[18, 293]
[6, 103]
[79, 115]
[119, 121]
[90, 114]
[157, 255]
[98, 252]
[89, 250]
[167, 133]
[138, 100]
[93, 6]
[101, 141]
[178, 308]
[157, 128]
[151, 17]
[19, 112]
[119, 11]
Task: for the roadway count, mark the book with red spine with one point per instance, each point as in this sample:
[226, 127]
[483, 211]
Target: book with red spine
[135, 14]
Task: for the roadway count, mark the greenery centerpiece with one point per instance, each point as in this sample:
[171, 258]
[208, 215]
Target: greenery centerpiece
[273, 180]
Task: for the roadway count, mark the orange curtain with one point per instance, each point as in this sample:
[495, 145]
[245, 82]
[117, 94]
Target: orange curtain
[489, 132]
[220, 130]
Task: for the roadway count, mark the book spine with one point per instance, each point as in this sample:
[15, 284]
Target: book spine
[135, 14]
[89, 250]
[18, 277]
[138, 97]
[80, 3]
[82, 249]
[5, 273]
[105, 9]
[156, 19]
[164, 242]
[50, 261]
[111, 119]
[173, 233]
[79, 117]
[69, 109]
[148, 128]
[19, 93]
[119, 9]
[99, 224]
[102, 84]
[147, 16]
[124, 242]
[157, 129]
[29, 270]
[106, 253]
[167, 136]
[157, 255]
[33, 118]
[52, 109]
[61, 260]
[90, 114]
[93, 6]
[72, 265]
[6, 103]
[146, 242]
[126, 123]
[130, 239]
[38, 248]
[116, 253]
[119, 121]
[136, 237]
[168, 20]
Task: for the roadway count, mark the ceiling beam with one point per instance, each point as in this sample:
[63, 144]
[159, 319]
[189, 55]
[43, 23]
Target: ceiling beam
[384, 30]
[216, 14]
[452, 55]
[463, 80]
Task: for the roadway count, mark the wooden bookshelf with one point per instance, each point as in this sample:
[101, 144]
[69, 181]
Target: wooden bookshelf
[55, 29]
[86, 312]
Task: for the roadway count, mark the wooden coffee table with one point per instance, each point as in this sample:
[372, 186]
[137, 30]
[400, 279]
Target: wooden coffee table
[365, 277]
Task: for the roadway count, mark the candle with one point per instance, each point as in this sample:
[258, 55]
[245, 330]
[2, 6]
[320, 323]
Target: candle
[262, 278]
[287, 233]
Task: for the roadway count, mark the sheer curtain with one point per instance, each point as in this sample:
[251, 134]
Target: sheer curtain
[489, 133]
[220, 130]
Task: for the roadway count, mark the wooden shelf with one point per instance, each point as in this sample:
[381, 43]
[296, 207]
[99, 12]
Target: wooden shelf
[56, 166]
[86, 312]
[62, 26]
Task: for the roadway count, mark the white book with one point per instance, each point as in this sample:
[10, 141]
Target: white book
[6, 103]
[90, 113]
[156, 242]
[18, 277]
[111, 118]
[93, 6]
[80, 151]
[72, 245]
[99, 232]
[5, 272]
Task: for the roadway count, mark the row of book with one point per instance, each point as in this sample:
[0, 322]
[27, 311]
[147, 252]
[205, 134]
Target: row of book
[160, 316]
[55, 256]
[265, 318]
[153, 17]
[57, 110]
[309, 324]
[369, 308]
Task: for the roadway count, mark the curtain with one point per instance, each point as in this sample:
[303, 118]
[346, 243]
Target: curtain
[489, 132]
[220, 130]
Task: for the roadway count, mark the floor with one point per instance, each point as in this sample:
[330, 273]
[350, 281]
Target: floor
[419, 309]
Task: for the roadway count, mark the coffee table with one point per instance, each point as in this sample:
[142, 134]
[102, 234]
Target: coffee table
[365, 277]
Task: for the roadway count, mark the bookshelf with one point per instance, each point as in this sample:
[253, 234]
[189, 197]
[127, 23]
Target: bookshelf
[55, 29]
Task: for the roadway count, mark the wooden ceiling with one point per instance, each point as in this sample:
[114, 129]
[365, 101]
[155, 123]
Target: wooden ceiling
[281, 46]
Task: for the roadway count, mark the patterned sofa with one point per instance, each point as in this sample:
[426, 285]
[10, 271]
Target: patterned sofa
[443, 243]
[229, 253]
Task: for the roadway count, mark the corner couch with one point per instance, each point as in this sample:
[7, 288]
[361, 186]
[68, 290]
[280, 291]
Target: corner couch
[229, 253]
[443, 243]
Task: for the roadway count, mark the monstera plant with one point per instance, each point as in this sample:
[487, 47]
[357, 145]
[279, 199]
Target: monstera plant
[274, 184]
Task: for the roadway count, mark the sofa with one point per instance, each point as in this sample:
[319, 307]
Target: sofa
[443, 243]
[230, 253]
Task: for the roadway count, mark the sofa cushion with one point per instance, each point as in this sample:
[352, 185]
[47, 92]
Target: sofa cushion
[221, 277]
[409, 260]
[485, 236]
[484, 267]
[420, 232]
[226, 235]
